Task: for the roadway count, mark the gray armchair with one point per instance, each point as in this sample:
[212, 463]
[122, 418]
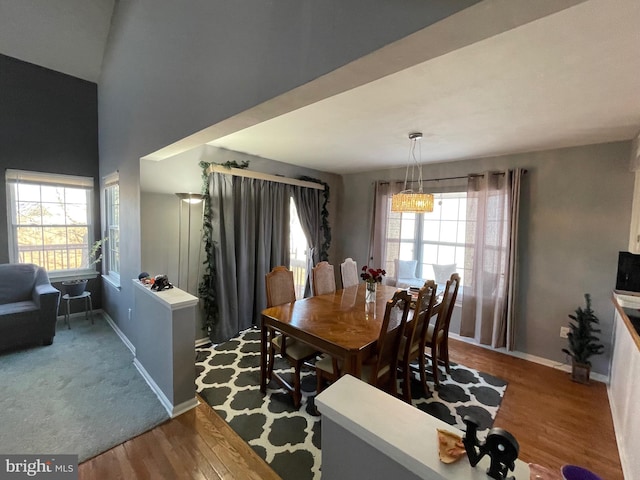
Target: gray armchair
[28, 306]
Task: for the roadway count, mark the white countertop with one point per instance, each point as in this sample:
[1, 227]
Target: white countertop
[172, 298]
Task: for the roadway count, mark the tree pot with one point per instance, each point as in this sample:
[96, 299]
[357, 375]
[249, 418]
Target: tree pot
[74, 288]
[580, 372]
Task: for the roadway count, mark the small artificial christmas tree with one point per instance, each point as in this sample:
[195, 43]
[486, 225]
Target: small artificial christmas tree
[583, 343]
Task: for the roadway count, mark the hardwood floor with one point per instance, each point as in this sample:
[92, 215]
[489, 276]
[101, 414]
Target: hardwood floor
[555, 421]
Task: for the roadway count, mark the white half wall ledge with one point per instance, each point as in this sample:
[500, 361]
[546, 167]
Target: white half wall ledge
[403, 437]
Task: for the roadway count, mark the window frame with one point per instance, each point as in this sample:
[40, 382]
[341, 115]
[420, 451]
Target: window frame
[111, 228]
[13, 178]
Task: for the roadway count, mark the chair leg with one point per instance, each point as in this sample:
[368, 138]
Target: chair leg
[422, 360]
[445, 356]
[434, 365]
[297, 395]
[270, 361]
[406, 385]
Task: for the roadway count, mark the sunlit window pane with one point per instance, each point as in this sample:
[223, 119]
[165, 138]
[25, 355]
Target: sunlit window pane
[53, 214]
[431, 230]
[449, 209]
[77, 214]
[408, 228]
[52, 194]
[406, 251]
[28, 193]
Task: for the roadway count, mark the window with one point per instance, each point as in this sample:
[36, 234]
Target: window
[436, 238]
[297, 250]
[111, 249]
[50, 221]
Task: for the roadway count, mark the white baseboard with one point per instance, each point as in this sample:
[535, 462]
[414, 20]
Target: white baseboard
[172, 410]
[202, 341]
[119, 332]
[598, 377]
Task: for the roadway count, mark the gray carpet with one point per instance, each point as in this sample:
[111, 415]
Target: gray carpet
[82, 395]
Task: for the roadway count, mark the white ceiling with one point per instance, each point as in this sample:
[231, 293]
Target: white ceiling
[571, 78]
[67, 36]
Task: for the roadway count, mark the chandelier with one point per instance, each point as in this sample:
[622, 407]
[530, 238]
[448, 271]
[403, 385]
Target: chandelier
[408, 200]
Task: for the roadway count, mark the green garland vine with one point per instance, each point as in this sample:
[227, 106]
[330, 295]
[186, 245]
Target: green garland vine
[326, 228]
[206, 289]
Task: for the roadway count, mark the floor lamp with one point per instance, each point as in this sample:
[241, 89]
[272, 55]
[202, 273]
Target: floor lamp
[188, 200]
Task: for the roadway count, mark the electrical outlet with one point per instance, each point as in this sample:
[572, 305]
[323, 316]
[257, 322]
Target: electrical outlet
[564, 332]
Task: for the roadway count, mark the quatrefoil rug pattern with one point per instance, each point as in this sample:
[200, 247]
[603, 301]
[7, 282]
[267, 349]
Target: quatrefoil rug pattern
[228, 379]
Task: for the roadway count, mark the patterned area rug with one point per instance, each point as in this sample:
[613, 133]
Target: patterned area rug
[289, 439]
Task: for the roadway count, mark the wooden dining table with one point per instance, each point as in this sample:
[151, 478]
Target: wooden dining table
[340, 324]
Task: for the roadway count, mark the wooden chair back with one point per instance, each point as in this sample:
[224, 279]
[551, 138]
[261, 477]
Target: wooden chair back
[391, 332]
[349, 273]
[323, 278]
[280, 286]
[416, 329]
[441, 331]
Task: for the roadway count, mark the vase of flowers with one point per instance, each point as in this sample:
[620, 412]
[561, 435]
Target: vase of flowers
[371, 277]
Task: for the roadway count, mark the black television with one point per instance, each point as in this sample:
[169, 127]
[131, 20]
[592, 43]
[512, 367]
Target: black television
[628, 278]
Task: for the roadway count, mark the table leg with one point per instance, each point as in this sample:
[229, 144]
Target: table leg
[352, 366]
[263, 356]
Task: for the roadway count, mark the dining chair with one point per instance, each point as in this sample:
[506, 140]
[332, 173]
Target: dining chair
[412, 343]
[323, 278]
[380, 369]
[437, 336]
[349, 273]
[281, 289]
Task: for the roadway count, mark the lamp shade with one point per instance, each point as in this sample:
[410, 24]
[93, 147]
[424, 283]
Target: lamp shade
[190, 197]
[408, 201]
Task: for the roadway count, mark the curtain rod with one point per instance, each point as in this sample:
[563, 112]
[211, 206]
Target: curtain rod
[240, 172]
[448, 178]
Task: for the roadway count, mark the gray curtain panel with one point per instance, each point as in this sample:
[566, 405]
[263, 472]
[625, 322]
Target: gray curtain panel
[250, 219]
[309, 205]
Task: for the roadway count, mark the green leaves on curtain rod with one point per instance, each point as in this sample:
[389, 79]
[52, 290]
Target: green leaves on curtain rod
[206, 288]
[324, 249]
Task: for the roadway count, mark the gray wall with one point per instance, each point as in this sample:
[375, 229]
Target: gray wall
[575, 216]
[48, 123]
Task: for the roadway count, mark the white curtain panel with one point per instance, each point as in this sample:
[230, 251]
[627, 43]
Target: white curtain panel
[489, 289]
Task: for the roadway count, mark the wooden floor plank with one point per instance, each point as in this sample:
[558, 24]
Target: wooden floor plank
[556, 421]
